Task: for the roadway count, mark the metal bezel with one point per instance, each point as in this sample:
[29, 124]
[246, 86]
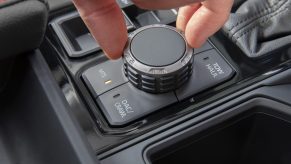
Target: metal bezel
[130, 59]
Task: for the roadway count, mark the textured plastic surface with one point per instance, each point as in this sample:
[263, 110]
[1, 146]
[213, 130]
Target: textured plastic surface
[259, 135]
[36, 123]
[209, 69]
[104, 76]
[126, 103]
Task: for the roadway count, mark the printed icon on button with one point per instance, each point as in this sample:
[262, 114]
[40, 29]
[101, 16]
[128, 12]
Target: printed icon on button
[102, 73]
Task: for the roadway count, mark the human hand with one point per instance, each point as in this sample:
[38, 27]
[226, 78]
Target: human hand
[199, 19]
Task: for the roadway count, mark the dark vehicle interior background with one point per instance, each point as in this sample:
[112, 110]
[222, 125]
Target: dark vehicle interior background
[63, 102]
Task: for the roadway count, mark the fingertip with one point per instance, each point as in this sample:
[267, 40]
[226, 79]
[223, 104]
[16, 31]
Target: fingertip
[207, 20]
[194, 40]
[195, 36]
[181, 23]
[114, 52]
[184, 15]
[113, 55]
[203, 24]
[105, 21]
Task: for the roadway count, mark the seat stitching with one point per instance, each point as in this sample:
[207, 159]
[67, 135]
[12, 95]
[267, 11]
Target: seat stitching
[256, 15]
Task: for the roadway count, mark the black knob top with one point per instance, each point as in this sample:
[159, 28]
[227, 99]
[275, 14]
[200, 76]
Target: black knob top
[157, 59]
[158, 46]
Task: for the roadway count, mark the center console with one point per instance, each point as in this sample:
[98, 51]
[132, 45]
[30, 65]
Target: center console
[165, 102]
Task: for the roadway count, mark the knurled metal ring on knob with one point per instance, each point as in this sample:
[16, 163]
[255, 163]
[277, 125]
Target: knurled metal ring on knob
[145, 72]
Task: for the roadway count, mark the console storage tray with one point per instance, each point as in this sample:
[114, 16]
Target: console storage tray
[260, 133]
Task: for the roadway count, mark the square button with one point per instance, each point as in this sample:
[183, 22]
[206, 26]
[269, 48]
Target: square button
[126, 103]
[209, 70]
[104, 76]
[157, 17]
[206, 46]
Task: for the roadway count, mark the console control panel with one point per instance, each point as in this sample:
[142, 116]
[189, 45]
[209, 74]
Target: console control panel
[123, 102]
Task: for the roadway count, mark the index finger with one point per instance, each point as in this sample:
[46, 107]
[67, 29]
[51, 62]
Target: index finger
[105, 21]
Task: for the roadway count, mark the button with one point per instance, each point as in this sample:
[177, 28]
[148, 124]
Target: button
[206, 46]
[166, 16]
[157, 17]
[209, 70]
[125, 104]
[104, 77]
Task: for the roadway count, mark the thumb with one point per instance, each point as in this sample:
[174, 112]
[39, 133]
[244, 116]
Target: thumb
[203, 20]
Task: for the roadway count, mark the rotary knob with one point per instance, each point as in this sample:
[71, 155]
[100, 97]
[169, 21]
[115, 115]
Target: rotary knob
[157, 59]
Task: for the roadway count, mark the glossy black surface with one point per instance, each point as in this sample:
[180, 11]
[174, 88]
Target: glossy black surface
[101, 136]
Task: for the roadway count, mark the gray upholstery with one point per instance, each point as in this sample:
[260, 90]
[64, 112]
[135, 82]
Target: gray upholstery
[58, 4]
[260, 27]
[22, 26]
